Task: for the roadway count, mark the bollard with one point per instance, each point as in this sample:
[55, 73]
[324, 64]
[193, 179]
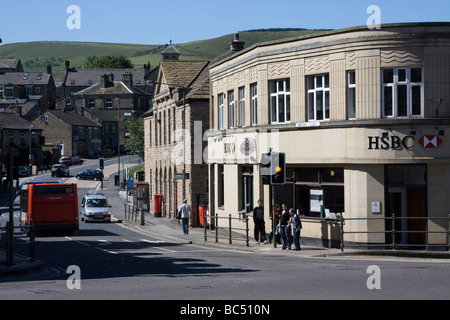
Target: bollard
[142, 218]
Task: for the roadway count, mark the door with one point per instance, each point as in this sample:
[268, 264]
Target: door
[398, 207]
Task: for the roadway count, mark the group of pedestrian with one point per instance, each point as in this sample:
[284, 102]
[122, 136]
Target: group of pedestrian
[288, 226]
[287, 221]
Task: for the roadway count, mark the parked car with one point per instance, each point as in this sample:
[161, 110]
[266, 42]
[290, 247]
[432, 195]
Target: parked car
[65, 160]
[77, 160]
[23, 172]
[95, 207]
[90, 174]
[60, 170]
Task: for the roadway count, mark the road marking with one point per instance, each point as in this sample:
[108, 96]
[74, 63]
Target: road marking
[77, 241]
[153, 241]
[107, 251]
[164, 249]
[104, 242]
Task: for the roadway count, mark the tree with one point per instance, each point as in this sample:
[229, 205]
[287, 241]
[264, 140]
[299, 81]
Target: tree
[135, 143]
[107, 61]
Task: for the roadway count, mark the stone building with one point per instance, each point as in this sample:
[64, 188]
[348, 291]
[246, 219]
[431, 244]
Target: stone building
[361, 115]
[179, 115]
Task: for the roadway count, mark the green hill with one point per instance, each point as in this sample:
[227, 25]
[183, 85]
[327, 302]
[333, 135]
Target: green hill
[36, 55]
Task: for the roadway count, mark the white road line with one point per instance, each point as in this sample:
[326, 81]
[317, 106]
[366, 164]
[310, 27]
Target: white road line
[107, 251]
[164, 249]
[104, 242]
[77, 241]
[152, 241]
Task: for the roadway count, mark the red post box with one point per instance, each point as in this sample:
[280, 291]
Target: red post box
[158, 205]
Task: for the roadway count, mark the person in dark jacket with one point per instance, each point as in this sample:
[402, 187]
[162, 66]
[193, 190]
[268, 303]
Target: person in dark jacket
[258, 219]
[285, 228]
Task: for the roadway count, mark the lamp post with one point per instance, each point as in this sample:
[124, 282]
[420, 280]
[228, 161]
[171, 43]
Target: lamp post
[30, 156]
[118, 140]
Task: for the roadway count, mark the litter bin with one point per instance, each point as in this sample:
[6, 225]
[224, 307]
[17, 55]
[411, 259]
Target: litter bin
[158, 205]
[202, 211]
[116, 180]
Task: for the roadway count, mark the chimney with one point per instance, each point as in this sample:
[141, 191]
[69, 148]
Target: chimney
[49, 68]
[236, 45]
[111, 77]
[147, 69]
[104, 83]
[127, 79]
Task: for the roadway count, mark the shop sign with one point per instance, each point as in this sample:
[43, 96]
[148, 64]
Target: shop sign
[247, 147]
[430, 141]
[392, 142]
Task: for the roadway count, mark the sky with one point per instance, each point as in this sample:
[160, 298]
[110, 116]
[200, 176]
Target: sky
[158, 22]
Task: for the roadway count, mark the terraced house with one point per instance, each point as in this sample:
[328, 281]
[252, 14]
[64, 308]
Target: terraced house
[362, 116]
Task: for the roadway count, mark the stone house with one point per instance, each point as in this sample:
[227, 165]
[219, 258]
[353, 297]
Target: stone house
[75, 134]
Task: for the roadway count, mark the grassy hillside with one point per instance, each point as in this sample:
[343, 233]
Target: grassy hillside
[35, 55]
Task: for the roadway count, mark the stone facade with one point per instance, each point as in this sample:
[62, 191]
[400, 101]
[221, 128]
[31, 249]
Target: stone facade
[361, 115]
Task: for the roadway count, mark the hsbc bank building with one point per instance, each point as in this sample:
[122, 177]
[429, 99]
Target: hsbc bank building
[364, 119]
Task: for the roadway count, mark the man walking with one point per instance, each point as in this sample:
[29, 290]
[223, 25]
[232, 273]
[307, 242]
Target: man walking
[185, 211]
[258, 219]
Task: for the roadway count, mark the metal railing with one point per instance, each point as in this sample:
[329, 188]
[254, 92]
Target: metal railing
[134, 214]
[10, 244]
[228, 234]
[394, 244]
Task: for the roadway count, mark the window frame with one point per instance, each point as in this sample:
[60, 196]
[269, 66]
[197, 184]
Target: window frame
[276, 96]
[351, 115]
[324, 89]
[254, 103]
[221, 109]
[397, 82]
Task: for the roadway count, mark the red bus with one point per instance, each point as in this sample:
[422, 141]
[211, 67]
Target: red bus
[51, 206]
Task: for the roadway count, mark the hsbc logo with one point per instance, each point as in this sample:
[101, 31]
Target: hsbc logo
[430, 141]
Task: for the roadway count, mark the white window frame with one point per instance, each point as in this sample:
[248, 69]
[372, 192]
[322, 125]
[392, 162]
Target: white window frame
[350, 86]
[240, 110]
[231, 110]
[396, 82]
[254, 106]
[280, 91]
[221, 106]
[314, 90]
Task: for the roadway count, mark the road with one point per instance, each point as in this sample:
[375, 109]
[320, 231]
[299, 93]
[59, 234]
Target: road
[109, 261]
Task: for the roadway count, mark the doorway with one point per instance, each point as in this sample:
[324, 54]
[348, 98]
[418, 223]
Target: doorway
[406, 199]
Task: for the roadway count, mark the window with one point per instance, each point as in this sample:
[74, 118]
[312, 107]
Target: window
[38, 90]
[318, 97]
[9, 92]
[351, 95]
[91, 103]
[280, 101]
[221, 111]
[108, 103]
[254, 110]
[402, 92]
[240, 111]
[231, 110]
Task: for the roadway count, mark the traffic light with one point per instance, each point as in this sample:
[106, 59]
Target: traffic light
[265, 168]
[101, 164]
[278, 168]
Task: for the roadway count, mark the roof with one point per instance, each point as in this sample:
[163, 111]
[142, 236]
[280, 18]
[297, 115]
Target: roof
[87, 77]
[170, 49]
[200, 86]
[73, 118]
[118, 87]
[179, 74]
[15, 122]
[102, 116]
[25, 78]
[9, 63]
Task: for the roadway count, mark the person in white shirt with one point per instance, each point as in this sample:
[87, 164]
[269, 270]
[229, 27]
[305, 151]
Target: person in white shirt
[184, 212]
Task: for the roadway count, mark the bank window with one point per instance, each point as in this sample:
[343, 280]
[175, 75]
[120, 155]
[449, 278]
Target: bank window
[231, 109]
[351, 95]
[318, 97]
[254, 107]
[402, 92]
[280, 101]
[240, 110]
[221, 111]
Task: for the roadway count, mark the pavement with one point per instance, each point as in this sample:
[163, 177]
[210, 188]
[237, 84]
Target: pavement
[170, 230]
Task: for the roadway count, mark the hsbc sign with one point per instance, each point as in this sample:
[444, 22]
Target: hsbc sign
[430, 141]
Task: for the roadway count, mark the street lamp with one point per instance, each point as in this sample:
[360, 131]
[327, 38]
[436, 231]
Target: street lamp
[30, 156]
[118, 140]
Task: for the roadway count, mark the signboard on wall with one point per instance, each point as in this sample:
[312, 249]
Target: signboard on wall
[316, 199]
